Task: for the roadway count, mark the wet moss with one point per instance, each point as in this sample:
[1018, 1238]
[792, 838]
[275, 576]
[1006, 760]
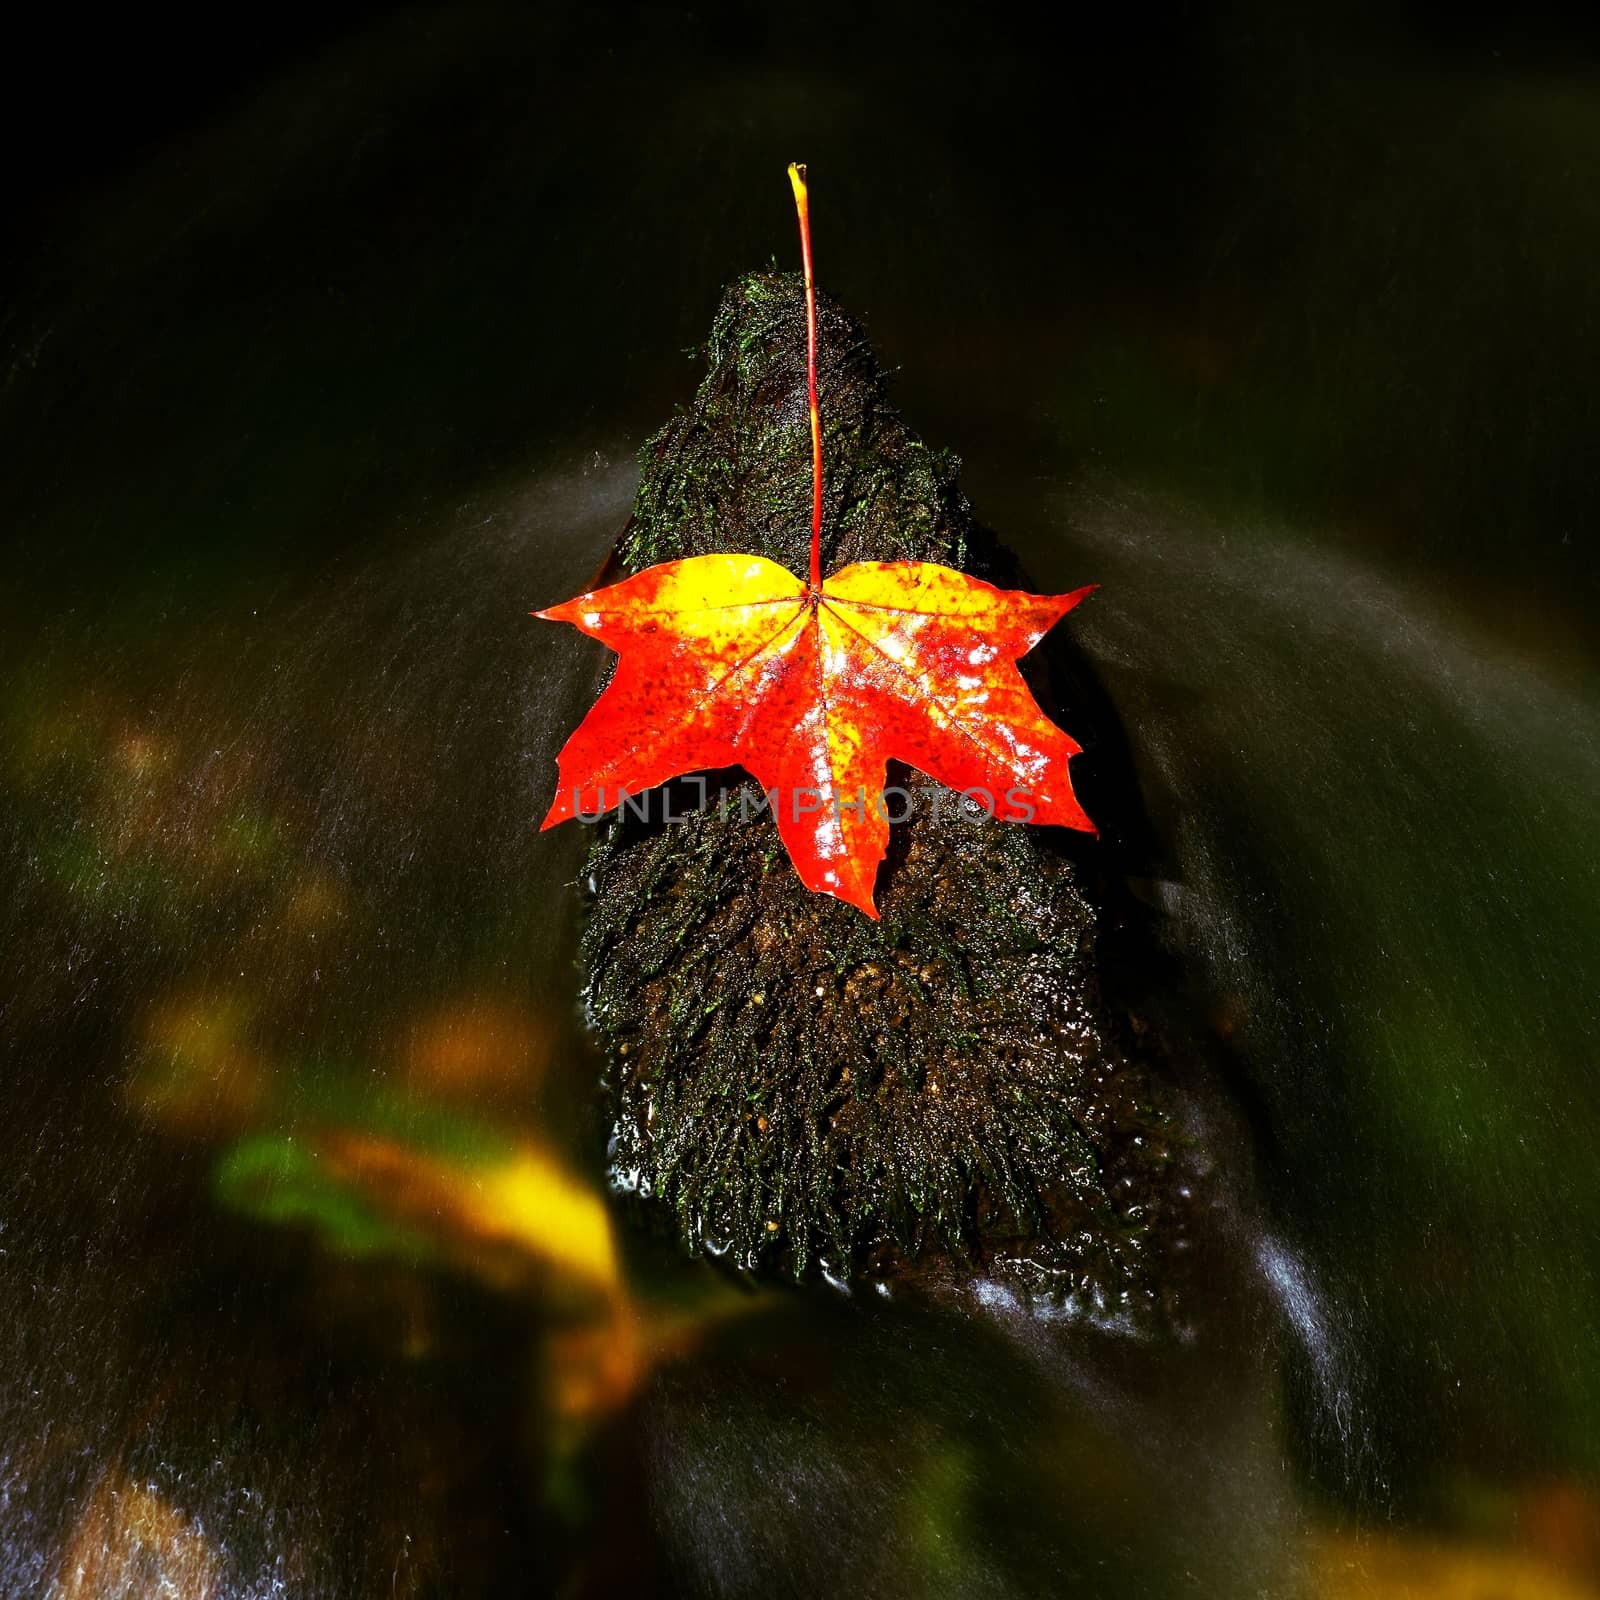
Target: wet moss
[734, 471]
[797, 1083]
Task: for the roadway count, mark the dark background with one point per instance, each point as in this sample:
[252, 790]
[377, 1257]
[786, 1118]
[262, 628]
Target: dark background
[300, 312]
[1328, 263]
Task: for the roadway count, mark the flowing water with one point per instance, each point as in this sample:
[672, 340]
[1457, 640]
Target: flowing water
[311, 1280]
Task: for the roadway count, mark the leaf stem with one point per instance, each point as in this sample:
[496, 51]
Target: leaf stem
[797, 177]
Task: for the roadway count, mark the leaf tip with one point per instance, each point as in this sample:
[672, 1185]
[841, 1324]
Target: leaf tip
[858, 896]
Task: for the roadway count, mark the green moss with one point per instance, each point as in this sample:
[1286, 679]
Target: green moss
[734, 472]
[793, 1080]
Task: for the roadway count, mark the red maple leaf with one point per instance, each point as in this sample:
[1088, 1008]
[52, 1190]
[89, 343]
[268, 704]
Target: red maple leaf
[812, 687]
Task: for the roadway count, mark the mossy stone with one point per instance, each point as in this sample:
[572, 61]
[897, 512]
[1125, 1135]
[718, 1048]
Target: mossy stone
[799, 1084]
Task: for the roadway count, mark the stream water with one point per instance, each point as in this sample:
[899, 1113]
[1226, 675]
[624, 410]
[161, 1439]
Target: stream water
[310, 1280]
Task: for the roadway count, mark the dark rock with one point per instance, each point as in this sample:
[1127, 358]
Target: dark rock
[798, 1083]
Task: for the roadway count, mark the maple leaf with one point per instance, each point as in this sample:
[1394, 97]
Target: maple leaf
[813, 687]
[731, 660]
